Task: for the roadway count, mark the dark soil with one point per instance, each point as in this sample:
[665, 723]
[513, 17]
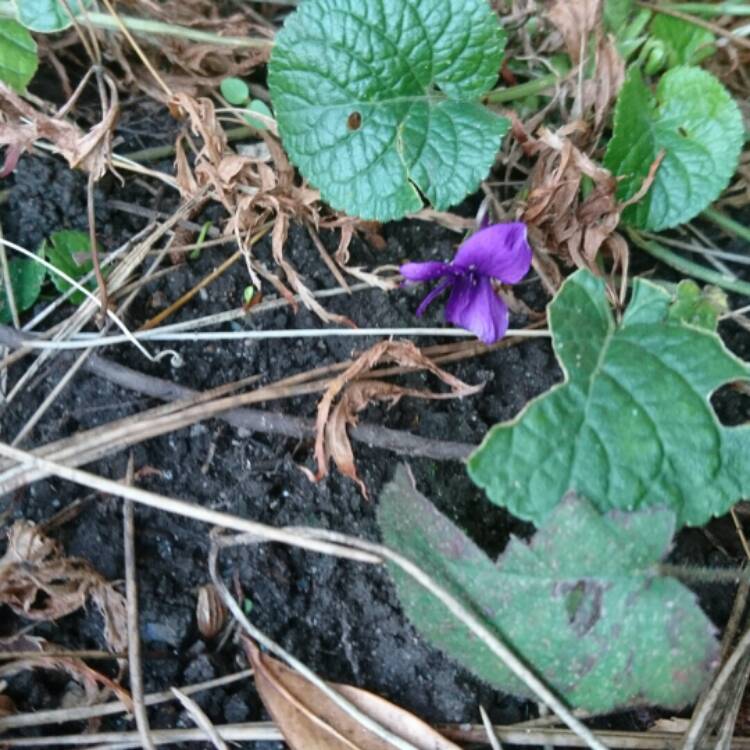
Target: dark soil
[341, 618]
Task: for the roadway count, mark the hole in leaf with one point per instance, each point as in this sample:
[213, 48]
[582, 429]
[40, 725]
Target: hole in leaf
[354, 121]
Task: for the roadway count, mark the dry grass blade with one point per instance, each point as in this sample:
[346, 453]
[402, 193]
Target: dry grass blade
[83, 713]
[200, 719]
[117, 279]
[309, 720]
[716, 699]
[594, 96]
[134, 638]
[355, 390]
[491, 736]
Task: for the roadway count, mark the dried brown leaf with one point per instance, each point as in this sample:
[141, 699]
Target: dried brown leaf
[21, 125]
[38, 582]
[600, 92]
[76, 668]
[210, 613]
[575, 20]
[355, 390]
[561, 222]
[310, 720]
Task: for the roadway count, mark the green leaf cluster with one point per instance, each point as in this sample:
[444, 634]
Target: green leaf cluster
[632, 425]
[693, 125]
[237, 93]
[583, 603]
[379, 103]
[684, 42]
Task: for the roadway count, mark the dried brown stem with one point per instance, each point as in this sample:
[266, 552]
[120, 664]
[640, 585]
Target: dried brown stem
[134, 639]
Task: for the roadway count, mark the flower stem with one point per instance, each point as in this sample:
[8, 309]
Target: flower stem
[522, 90]
[702, 574]
[149, 26]
[712, 9]
[728, 225]
[154, 153]
[688, 267]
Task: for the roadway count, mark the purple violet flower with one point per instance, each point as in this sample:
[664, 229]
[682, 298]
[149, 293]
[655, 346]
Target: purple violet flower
[499, 251]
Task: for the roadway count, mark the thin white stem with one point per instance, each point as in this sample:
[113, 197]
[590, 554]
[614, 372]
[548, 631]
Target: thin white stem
[181, 507]
[128, 336]
[84, 341]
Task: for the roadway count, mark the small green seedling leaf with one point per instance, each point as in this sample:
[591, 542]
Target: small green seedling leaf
[235, 91]
[378, 102]
[698, 307]
[632, 425]
[247, 295]
[684, 42]
[695, 124]
[195, 254]
[70, 251]
[48, 16]
[18, 58]
[26, 279]
[583, 603]
[260, 107]
[616, 14]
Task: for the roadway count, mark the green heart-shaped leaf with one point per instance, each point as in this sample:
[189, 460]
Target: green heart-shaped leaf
[378, 102]
[583, 603]
[632, 425]
[695, 124]
[48, 16]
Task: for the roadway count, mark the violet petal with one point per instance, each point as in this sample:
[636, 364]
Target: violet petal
[501, 251]
[428, 271]
[474, 305]
[431, 296]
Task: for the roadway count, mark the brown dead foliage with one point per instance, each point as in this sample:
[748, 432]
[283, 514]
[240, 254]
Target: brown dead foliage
[22, 124]
[356, 387]
[38, 582]
[255, 188]
[89, 679]
[194, 68]
[593, 97]
[562, 222]
[310, 720]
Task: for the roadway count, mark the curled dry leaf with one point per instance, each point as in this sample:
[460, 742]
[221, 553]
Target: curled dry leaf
[210, 612]
[310, 720]
[38, 582]
[561, 221]
[593, 97]
[355, 390]
[21, 125]
[253, 189]
[89, 679]
[575, 21]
